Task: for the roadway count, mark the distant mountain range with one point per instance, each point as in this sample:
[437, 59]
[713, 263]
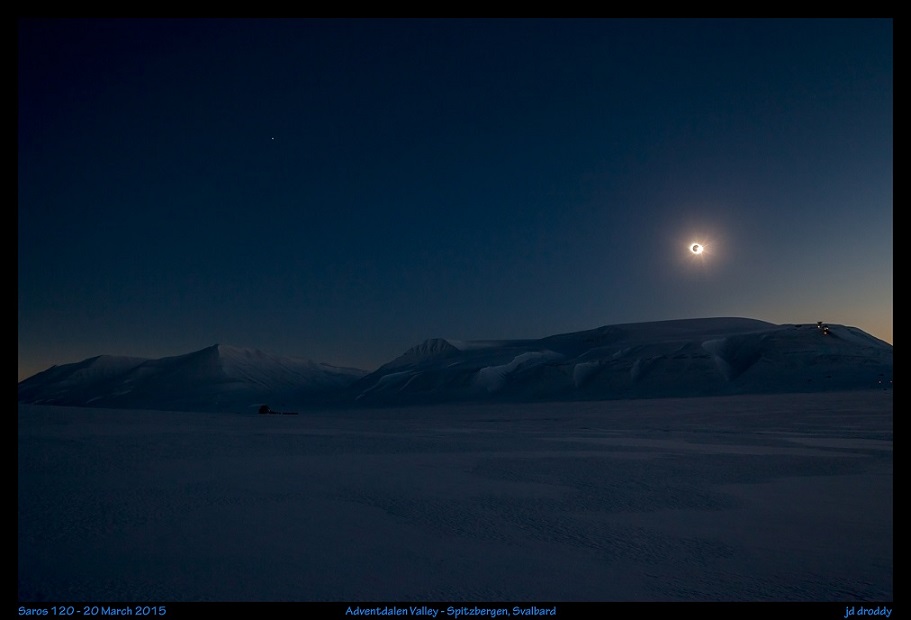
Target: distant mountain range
[679, 358]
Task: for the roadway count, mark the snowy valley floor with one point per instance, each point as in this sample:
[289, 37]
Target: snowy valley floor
[758, 498]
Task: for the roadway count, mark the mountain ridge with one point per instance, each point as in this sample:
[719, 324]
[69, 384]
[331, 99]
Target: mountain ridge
[217, 377]
[674, 358]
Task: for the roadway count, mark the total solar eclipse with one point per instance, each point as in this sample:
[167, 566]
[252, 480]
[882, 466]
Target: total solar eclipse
[697, 248]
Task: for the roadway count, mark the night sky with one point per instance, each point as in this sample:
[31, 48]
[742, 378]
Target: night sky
[341, 190]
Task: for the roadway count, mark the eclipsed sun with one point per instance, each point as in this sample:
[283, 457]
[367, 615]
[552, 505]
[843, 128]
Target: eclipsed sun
[697, 248]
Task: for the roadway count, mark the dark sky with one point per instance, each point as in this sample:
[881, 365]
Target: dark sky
[343, 189]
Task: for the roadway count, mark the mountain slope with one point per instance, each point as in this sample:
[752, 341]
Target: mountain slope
[213, 379]
[693, 357]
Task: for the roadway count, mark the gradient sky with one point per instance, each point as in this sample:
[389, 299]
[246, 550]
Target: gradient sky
[343, 189]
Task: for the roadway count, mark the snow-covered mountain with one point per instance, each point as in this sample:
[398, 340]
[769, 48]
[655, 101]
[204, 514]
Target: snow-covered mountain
[217, 378]
[690, 357]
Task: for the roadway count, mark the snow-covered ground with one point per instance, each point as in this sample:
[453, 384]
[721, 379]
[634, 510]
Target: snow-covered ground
[741, 498]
